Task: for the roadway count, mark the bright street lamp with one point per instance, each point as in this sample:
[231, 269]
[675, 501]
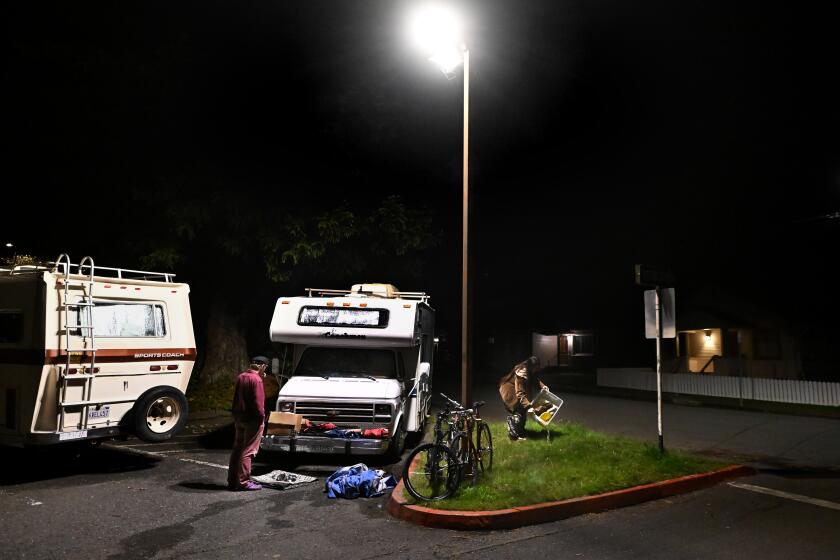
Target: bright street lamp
[436, 30]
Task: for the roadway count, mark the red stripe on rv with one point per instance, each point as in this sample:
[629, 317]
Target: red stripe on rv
[106, 355]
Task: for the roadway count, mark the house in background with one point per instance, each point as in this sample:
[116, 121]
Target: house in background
[572, 350]
[734, 338]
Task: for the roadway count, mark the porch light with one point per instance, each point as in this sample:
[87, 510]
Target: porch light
[708, 336]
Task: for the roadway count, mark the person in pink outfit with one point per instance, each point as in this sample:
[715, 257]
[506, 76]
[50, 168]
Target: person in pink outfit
[248, 419]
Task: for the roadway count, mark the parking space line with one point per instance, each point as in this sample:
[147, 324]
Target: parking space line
[161, 455]
[131, 450]
[199, 449]
[151, 444]
[786, 495]
[205, 463]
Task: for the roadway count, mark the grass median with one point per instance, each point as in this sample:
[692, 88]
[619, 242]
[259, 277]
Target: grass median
[575, 462]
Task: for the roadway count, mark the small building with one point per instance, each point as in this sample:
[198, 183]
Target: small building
[571, 350]
[734, 339]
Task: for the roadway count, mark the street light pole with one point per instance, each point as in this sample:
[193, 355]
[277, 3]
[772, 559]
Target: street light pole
[436, 29]
[465, 289]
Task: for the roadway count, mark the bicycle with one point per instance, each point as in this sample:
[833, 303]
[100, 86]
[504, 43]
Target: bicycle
[470, 440]
[434, 471]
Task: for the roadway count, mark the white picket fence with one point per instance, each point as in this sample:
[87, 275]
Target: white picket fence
[760, 389]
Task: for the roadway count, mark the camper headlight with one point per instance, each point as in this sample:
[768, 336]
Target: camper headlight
[286, 406]
[382, 409]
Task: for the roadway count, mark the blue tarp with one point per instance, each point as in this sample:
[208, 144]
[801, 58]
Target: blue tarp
[358, 480]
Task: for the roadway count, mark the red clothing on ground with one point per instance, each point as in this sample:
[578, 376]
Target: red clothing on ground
[249, 418]
[249, 397]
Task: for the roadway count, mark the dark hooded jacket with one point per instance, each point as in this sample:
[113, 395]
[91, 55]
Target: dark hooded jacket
[518, 385]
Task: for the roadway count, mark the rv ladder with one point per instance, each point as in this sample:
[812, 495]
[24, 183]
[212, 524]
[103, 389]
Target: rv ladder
[83, 308]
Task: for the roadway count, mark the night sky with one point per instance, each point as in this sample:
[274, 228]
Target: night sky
[698, 134]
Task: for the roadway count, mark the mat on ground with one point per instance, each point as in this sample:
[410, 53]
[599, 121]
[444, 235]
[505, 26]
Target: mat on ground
[282, 479]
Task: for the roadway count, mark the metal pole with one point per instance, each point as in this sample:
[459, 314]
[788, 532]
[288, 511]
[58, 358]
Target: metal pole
[659, 367]
[465, 330]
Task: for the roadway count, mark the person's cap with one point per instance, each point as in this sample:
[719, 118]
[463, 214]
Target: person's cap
[259, 360]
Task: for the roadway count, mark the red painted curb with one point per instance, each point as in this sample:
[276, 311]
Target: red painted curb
[553, 511]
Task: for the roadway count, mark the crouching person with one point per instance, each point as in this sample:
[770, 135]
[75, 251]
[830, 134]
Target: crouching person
[516, 389]
[248, 419]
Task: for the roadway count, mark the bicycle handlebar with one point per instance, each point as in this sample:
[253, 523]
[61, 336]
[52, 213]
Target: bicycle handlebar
[451, 401]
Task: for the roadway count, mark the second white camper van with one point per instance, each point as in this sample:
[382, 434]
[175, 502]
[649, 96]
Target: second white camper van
[363, 358]
[92, 353]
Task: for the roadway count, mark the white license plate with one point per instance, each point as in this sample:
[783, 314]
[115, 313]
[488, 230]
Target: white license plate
[65, 436]
[103, 412]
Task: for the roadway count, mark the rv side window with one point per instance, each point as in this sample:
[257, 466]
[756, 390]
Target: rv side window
[120, 319]
[11, 326]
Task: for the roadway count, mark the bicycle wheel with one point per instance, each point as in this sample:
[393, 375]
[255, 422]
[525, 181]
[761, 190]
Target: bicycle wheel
[467, 458]
[484, 447]
[431, 472]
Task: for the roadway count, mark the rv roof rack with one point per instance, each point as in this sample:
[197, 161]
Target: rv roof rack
[66, 267]
[421, 296]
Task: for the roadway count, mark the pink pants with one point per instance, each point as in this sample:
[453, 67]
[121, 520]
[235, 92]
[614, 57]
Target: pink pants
[245, 447]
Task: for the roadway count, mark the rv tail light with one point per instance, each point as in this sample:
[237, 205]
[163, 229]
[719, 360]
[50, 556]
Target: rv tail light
[107, 285]
[286, 406]
[407, 305]
[285, 302]
[154, 368]
[330, 304]
[345, 305]
[73, 371]
[171, 367]
[362, 305]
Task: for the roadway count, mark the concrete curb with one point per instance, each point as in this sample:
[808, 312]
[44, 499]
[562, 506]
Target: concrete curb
[553, 511]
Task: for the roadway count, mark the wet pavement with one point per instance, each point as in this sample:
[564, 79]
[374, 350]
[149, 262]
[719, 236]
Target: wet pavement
[135, 500]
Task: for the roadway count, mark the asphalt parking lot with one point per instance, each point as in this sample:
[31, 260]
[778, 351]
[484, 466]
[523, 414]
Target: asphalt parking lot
[135, 500]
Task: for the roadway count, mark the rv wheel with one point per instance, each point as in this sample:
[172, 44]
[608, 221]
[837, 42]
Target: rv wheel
[160, 414]
[397, 443]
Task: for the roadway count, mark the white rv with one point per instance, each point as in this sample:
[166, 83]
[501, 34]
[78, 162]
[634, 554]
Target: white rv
[92, 352]
[363, 358]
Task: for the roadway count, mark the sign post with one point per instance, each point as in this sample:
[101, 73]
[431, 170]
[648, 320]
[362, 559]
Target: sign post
[659, 317]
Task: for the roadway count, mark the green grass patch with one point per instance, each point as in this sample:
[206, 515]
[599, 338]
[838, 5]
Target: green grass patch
[575, 462]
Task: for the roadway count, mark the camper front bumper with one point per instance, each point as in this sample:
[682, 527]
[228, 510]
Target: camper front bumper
[320, 444]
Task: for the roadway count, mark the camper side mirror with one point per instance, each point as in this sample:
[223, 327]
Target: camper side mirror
[424, 369]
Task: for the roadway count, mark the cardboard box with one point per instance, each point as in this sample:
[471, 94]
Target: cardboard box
[279, 431]
[283, 423]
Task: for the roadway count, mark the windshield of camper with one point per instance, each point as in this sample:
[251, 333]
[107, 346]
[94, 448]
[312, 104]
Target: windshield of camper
[347, 362]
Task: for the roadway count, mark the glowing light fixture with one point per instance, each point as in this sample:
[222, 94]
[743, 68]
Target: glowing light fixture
[436, 30]
[9, 245]
[708, 336]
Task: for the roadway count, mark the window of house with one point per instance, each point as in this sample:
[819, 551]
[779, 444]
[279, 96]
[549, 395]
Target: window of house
[767, 344]
[11, 326]
[583, 345]
[124, 319]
